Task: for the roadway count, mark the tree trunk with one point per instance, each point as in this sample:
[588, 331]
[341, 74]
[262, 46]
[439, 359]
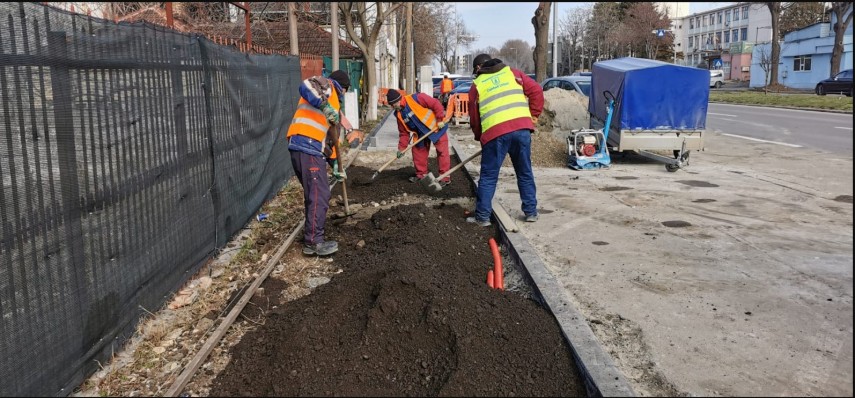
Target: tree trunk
[370, 83]
[775, 11]
[541, 37]
[840, 9]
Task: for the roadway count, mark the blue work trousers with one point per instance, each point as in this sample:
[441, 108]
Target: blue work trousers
[312, 172]
[518, 145]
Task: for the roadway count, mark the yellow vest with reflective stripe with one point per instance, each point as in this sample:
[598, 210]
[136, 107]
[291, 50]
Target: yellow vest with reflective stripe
[310, 121]
[500, 98]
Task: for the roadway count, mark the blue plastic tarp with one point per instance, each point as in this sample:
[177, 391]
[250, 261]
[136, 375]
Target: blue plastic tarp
[650, 95]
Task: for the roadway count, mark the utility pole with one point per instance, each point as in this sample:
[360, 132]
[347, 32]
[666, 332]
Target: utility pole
[411, 72]
[292, 25]
[554, 39]
[334, 22]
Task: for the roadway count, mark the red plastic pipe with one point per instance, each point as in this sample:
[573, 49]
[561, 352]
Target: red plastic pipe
[490, 279]
[498, 272]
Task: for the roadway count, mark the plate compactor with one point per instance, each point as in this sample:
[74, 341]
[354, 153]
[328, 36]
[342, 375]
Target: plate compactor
[587, 148]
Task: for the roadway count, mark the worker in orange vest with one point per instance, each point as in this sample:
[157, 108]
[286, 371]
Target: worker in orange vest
[445, 88]
[311, 140]
[419, 114]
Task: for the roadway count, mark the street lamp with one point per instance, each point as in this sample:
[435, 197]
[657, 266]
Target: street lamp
[757, 31]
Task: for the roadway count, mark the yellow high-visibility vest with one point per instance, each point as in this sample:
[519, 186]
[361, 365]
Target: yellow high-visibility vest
[500, 98]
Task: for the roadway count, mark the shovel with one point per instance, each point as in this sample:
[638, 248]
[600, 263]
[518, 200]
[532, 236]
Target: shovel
[432, 184]
[347, 212]
[373, 176]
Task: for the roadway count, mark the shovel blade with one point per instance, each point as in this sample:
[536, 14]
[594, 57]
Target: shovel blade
[430, 183]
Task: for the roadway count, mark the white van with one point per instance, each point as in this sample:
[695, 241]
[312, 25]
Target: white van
[716, 78]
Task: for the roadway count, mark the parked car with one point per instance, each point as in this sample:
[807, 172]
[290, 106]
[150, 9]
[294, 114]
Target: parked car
[581, 74]
[437, 79]
[579, 84]
[462, 87]
[841, 83]
[716, 78]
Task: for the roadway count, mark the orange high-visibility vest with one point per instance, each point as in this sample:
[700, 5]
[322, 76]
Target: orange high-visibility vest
[423, 115]
[310, 121]
[447, 85]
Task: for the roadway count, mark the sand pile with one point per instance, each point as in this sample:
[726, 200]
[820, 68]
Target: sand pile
[563, 110]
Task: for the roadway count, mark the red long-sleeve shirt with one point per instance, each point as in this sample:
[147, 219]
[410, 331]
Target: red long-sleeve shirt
[532, 91]
[428, 102]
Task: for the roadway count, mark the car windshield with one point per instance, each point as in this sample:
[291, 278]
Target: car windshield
[585, 86]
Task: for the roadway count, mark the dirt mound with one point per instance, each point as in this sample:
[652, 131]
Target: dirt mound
[394, 182]
[563, 110]
[409, 315]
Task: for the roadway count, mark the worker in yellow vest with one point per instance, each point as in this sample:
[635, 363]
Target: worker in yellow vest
[311, 140]
[504, 104]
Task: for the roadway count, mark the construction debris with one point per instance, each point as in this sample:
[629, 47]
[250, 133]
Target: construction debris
[563, 110]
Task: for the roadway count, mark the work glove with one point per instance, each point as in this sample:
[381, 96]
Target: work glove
[440, 125]
[399, 155]
[355, 135]
[338, 176]
[330, 113]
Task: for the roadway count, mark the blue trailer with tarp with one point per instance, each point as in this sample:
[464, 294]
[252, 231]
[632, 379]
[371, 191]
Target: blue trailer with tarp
[658, 107]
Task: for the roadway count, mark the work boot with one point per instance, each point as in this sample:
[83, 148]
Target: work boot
[414, 179]
[321, 249]
[480, 223]
[531, 218]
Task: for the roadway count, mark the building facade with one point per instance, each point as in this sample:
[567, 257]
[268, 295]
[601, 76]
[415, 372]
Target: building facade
[805, 57]
[723, 38]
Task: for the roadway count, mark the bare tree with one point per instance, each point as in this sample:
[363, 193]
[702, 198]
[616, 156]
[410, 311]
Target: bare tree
[601, 27]
[636, 31]
[452, 37]
[842, 11]
[776, 9]
[765, 63]
[802, 14]
[540, 21]
[573, 27]
[517, 54]
[370, 20]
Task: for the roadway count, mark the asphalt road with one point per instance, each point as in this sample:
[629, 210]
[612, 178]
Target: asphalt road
[788, 127]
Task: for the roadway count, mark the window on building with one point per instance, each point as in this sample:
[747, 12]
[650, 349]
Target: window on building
[717, 39]
[690, 42]
[727, 16]
[697, 41]
[719, 18]
[726, 37]
[735, 34]
[691, 23]
[801, 63]
[698, 21]
[745, 12]
[705, 21]
[744, 34]
[735, 14]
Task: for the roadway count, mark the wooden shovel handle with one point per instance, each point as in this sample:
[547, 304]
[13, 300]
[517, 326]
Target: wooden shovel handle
[453, 169]
[405, 150]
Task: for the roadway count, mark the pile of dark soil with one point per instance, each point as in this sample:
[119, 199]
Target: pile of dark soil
[394, 182]
[410, 315]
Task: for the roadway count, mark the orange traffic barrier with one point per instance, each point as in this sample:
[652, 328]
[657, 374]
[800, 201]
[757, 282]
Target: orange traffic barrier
[490, 278]
[498, 272]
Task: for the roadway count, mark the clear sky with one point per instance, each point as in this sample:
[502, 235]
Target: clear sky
[495, 23]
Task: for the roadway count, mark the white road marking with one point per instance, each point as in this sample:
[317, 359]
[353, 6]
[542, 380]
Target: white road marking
[759, 140]
[721, 114]
[844, 128]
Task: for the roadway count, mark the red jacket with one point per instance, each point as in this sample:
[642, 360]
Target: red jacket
[428, 102]
[532, 91]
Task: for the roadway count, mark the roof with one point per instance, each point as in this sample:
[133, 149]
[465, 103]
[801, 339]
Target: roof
[312, 39]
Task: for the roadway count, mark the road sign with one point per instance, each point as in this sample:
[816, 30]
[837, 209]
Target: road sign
[717, 63]
[660, 33]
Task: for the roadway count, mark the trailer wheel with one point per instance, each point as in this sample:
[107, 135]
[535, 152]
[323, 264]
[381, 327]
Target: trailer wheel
[672, 167]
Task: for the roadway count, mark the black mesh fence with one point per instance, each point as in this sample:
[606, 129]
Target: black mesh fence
[129, 153]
